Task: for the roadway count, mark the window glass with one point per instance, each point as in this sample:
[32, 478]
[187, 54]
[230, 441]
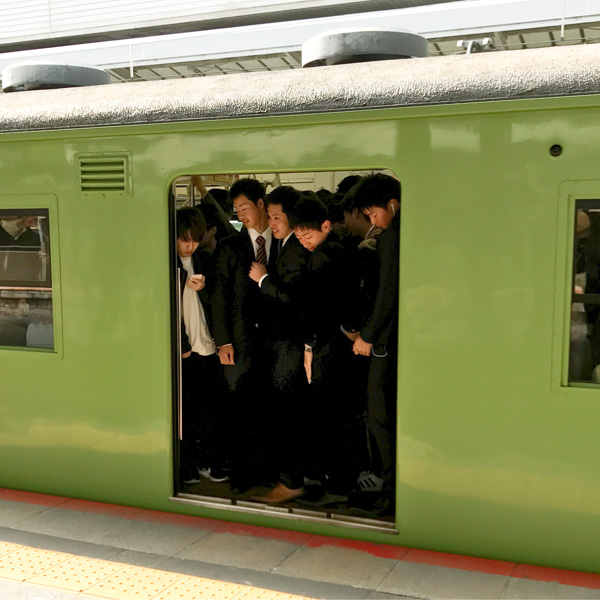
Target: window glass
[25, 279]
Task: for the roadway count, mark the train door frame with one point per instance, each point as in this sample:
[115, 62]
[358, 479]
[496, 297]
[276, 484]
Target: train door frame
[216, 502]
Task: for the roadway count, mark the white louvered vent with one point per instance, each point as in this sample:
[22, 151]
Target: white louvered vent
[104, 173]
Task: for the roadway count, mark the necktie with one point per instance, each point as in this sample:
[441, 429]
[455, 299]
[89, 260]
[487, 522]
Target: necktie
[261, 251]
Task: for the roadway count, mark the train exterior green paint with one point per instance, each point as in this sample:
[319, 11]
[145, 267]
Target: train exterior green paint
[496, 457]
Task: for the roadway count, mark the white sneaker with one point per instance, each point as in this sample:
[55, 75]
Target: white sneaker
[216, 475]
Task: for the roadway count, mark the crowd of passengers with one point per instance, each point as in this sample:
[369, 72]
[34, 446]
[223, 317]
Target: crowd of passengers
[289, 342]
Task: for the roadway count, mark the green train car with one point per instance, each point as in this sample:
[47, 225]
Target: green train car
[498, 451]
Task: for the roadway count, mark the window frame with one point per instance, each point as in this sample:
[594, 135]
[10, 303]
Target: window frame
[49, 204]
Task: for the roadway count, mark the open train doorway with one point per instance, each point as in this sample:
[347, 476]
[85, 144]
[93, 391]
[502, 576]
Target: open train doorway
[285, 332]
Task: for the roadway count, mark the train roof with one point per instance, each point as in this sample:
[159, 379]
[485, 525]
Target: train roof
[517, 74]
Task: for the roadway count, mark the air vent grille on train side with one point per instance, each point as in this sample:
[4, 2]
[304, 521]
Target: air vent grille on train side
[104, 173]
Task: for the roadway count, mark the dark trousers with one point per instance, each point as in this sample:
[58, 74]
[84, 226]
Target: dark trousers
[381, 415]
[249, 413]
[202, 412]
[289, 415]
[333, 439]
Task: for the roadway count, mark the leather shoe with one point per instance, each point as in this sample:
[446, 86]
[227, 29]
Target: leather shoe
[280, 494]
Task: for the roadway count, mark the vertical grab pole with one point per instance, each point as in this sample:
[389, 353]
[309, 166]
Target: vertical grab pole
[179, 361]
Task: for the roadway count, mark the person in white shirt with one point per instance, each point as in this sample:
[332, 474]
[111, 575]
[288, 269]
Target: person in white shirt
[201, 453]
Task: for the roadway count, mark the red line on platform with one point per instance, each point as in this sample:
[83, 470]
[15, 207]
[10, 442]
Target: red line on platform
[379, 550]
[31, 498]
[440, 559]
[576, 578]
[458, 561]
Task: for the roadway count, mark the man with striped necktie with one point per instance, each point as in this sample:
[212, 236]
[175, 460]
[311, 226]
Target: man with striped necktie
[241, 320]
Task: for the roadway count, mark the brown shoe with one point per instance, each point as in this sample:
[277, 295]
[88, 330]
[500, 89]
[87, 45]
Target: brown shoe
[280, 494]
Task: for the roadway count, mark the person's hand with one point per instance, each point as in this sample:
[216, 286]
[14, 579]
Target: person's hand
[361, 347]
[196, 282]
[352, 335]
[226, 354]
[257, 270]
[308, 358]
[186, 354]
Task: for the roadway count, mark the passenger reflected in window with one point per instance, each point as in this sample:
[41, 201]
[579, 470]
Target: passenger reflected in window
[378, 196]
[331, 437]
[25, 279]
[282, 289]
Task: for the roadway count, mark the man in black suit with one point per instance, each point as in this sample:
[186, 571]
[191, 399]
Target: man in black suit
[331, 442]
[283, 289]
[378, 196]
[240, 320]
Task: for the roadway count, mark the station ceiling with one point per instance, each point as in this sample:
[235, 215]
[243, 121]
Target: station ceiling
[512, 24]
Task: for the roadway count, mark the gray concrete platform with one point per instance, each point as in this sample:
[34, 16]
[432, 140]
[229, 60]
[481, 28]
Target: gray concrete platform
[287, 562]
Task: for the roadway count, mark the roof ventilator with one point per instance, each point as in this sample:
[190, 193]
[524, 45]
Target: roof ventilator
[40, 75]
[362, 45]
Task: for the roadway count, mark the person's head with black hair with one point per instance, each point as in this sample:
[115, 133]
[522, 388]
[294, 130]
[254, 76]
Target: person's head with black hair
[310, 221]
[345, 184]
[378, 197]
[191, 228]
[355, 221]
[222, 198]
[248, 197]
[215, 230]
[280, 205]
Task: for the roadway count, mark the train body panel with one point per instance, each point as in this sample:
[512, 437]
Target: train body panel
[495, 457]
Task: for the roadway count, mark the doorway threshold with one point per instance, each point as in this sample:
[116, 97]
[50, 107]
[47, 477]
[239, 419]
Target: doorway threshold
[293, 514]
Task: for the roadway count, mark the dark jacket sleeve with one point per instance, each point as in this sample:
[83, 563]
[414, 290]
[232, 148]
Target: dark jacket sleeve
[222, 293]
[386, 302]
[185, 342]
[289, 288]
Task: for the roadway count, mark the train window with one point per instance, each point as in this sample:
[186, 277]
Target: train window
[287, 316]
[25, 279]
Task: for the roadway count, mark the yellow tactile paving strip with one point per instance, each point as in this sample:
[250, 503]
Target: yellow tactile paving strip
[93, 578]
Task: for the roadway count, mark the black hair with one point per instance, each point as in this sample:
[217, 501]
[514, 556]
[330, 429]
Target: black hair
[253, 189]
[376, 190]
[324, 195]
[345, 184]
[335, 208]
[285, 195]
[213, 219]
[190, 224]
[222, 198]
[309, 212]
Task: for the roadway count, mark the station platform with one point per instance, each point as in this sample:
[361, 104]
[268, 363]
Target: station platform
[55, 548]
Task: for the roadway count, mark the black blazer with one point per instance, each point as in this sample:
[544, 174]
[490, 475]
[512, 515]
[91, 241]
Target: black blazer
[203, 265]
[331, 293]
[284, 287]
[239, 314]
[382, 326]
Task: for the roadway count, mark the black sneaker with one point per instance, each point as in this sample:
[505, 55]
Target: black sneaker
[214, 474]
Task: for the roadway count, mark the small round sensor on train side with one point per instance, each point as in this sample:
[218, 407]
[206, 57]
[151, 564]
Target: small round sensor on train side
[556, 150]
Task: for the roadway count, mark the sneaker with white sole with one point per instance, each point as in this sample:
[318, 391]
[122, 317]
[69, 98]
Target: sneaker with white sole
[213, 474]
